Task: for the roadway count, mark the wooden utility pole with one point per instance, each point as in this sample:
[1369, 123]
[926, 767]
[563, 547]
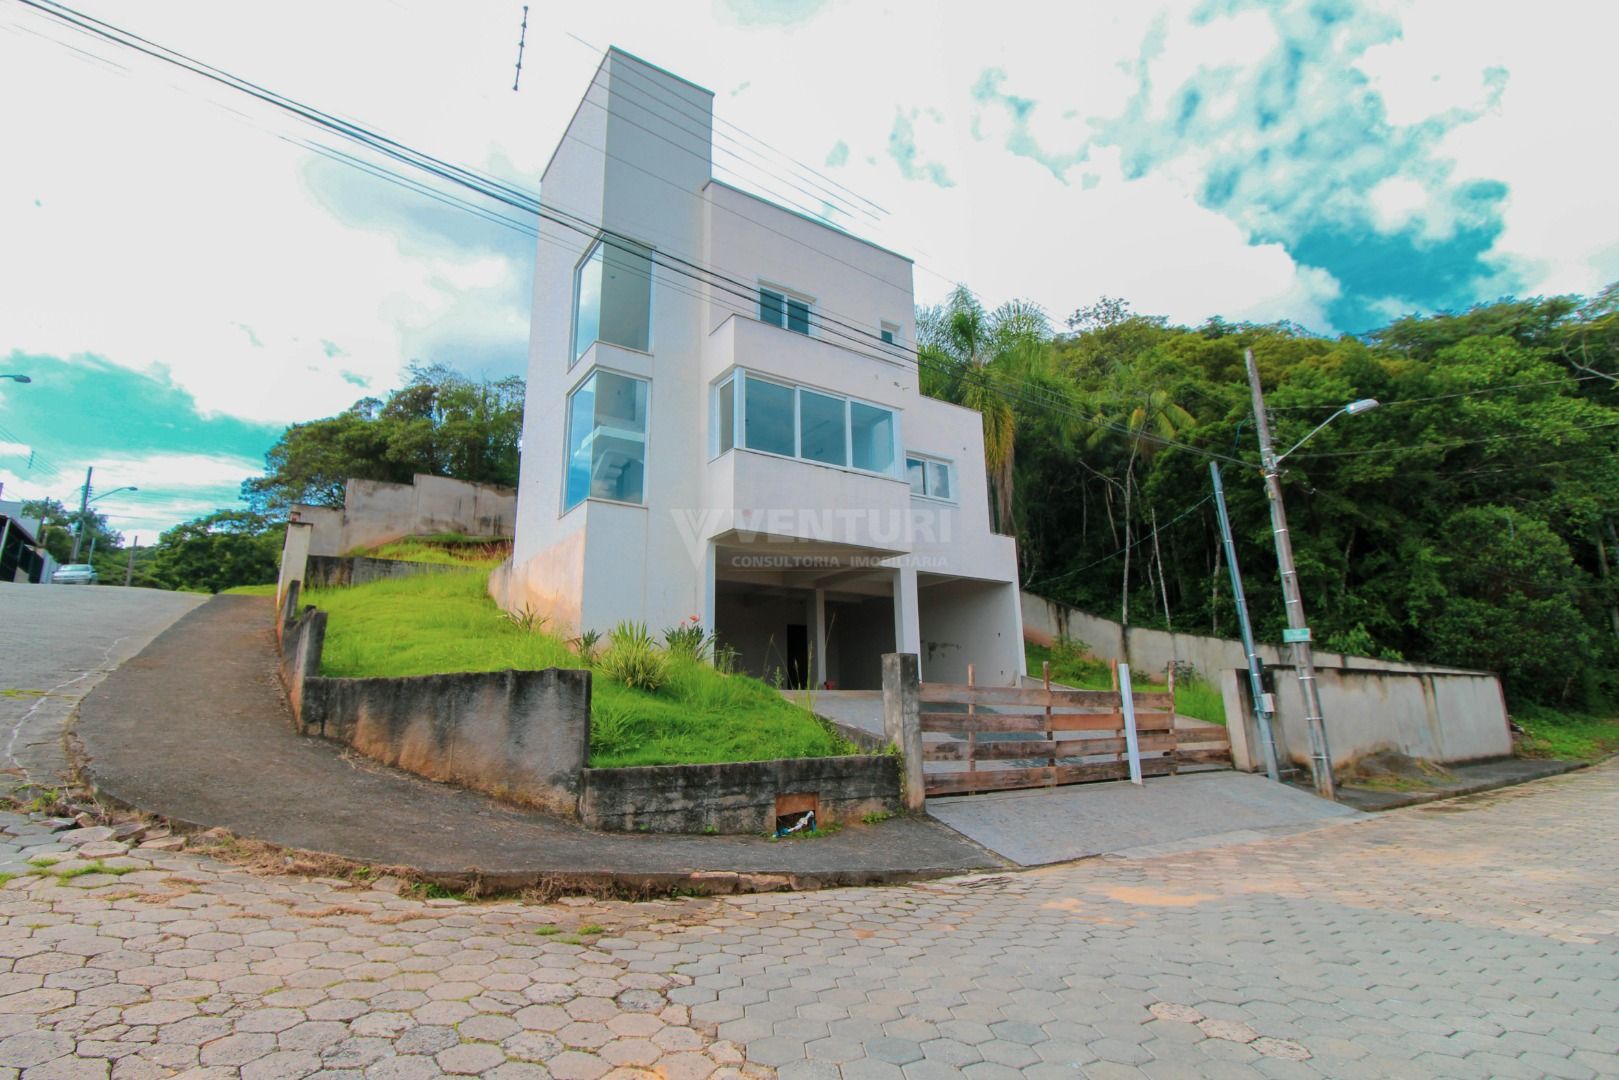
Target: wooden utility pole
[129, 571]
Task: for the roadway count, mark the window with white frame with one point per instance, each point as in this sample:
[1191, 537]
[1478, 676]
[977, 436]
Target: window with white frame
[889, 333]
[607, 440]
[796, 421]
[612, 297]
[931, 477]
[784, 310]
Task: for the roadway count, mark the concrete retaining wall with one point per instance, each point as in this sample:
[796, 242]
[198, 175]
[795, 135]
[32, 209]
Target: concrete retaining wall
[1429, 711]
[518, 735]
[327, 571]
[375, 513]
[738, 797]
[1044, 621]
[1438, 715]
[524, 736]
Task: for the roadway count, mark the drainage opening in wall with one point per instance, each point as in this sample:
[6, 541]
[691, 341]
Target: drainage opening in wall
[797, 812]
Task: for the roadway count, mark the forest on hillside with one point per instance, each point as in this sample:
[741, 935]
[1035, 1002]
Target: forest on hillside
[1468, 520]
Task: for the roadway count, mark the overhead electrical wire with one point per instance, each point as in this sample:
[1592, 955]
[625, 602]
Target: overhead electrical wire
[809, 173]
[1144, 538]
[859, 338]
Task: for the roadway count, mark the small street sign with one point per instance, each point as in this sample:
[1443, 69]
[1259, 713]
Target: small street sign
[1291, 636]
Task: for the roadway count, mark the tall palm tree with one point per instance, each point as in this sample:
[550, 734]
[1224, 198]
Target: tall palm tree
[985, 361]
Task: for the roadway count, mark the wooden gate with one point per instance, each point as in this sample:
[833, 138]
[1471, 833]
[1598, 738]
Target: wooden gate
[1002, 737]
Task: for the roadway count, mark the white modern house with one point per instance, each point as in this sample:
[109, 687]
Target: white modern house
[723, 421]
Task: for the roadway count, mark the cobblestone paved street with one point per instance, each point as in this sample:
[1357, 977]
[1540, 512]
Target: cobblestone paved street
[1478, 938]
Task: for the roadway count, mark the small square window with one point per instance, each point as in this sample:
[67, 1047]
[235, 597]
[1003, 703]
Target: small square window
[787, 312]
[931, 478]
[889, 333]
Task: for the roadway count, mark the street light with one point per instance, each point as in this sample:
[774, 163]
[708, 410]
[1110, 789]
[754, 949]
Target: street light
[17, 378]
[1354, 408]
[1297, 633]
[84, 514]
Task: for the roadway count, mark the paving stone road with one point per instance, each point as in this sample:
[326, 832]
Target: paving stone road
[1476, 938]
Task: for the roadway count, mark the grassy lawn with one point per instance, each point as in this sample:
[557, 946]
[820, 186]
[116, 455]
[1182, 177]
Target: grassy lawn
[440, 623]
[1194, 697]
[1549, 733]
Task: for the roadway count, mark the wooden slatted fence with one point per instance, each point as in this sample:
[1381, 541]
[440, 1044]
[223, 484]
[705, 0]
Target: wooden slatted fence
[1004, 737]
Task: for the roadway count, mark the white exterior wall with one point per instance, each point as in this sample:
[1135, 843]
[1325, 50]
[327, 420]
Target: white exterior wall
[637, 159]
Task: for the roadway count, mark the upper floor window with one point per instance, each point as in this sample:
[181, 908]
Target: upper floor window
[606, 440]
[888, 333]
[795, 421]
[933, 478]
[612, 297]
[779, 309]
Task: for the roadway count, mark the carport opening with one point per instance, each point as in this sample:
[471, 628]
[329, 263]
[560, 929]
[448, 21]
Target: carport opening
[772, 629]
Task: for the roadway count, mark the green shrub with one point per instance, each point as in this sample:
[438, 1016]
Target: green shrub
[688, 640]
[633, 658]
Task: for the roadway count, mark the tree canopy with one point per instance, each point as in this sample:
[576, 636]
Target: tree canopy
[1468, 521]
[440, 423]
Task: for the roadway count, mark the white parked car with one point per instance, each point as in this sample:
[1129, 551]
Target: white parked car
[75, 574]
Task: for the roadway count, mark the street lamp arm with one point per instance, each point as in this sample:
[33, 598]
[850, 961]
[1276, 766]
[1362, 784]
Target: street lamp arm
[1363, 405]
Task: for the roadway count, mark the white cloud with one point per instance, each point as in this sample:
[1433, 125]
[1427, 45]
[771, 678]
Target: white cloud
[172, 233]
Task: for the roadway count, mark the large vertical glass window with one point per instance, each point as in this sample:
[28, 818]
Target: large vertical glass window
[767, 417]
[607, 440]
[613, 297]
[872, 437]
[822, 431]
[725, 416]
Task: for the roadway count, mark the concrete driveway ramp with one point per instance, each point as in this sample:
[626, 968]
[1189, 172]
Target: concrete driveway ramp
[1165, 815]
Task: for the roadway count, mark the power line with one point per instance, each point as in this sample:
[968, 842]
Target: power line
[1480, 391]
[809, 169]
[1408, 447]
[1188, 512]
[858, 338]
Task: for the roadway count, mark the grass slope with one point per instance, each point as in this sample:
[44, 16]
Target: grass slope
[440, 623]
[1567, 736]
[1194, 697]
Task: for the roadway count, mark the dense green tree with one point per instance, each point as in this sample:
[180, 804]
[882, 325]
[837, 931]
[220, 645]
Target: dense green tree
[987, 361]
[1505, 417]
[58, 523]
[440, 423]
[225, 549]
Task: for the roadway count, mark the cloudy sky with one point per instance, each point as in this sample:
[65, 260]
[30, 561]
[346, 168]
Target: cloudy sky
[182, 278]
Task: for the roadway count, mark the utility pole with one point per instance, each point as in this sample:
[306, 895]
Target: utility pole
[1264, 705]
[1298, 632]
[129, 571]
[84, 513]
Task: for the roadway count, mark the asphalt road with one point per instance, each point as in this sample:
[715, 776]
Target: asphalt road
[56, 642]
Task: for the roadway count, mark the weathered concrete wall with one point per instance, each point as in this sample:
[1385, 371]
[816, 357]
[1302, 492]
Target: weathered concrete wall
[518, 735]
[736, 798]
[326, 523]
[375, 512]
[1044, 621]
[969, 622]
[522, 736]
[294, 559]
[328, 571]
[1439, 715]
